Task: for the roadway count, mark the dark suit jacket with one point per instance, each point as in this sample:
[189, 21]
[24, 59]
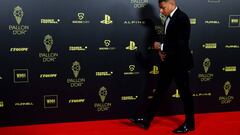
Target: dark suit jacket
[176, 42]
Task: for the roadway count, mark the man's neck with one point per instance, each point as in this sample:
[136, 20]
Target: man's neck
[173, 10]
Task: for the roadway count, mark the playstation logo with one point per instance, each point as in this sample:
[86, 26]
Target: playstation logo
[107, 20]
[155, 70]
[132, 46]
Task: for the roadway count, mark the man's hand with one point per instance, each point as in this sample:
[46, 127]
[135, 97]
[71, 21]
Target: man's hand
[162, 55]
[157, 45]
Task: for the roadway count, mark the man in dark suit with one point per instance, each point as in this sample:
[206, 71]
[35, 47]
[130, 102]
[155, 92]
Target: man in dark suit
[176, 61]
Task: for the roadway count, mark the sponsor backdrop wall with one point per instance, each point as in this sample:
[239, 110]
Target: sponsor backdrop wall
[92, 59]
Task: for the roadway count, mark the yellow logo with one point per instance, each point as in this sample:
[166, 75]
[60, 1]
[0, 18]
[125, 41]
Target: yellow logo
[131, 70]
[232, 46]
[227, 87]
[227, 98]
[206, 64]
[77, 48]
[234, 21]
[1, 104]
[203, 94]
[103, 93]
[80, 16]
[107, 47]
[50, 21]
[139, 3]
[18, 14]
[131, 67]
[210, 45]
[21, 76]
[230, 68]
[129, 22]
[104, 73]
[162, 17]
[125, 98]
[80, 19]
[18, 29]
[103, 106]
[75, 101]
[132, 46]
[76, 82]
[51, 101]
[24, 104]
[107, 20]
[48, 42]
[193, 21]
[212, 22]
[76, 68]
[107, 43]
[48, 75]
[19, 49]
[205, 77]
[155, 70]
[176, 95]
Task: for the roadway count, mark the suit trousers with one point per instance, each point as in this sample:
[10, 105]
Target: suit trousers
[168, 72]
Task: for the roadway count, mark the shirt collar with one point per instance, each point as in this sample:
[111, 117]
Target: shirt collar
[171, 14]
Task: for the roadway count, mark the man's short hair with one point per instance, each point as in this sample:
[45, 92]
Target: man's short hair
[159, 1]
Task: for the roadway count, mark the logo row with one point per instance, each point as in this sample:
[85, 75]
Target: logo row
[18, 29]
[22, 75]
[51, 101]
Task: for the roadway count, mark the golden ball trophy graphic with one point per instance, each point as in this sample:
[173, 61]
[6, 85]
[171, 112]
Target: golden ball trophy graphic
[102, 93]
[18, 14]
[48, 42]
[76, 68]
[162, 17]
[206, 64]
[227, 87]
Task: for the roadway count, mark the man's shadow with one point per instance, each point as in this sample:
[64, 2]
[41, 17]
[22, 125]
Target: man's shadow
[148, 57]
[154, 32]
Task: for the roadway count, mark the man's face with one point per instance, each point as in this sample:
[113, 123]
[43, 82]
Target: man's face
[165, 8]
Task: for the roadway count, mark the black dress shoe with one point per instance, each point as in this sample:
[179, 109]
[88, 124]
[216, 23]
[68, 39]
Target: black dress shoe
[141, 122]
[184, 128]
